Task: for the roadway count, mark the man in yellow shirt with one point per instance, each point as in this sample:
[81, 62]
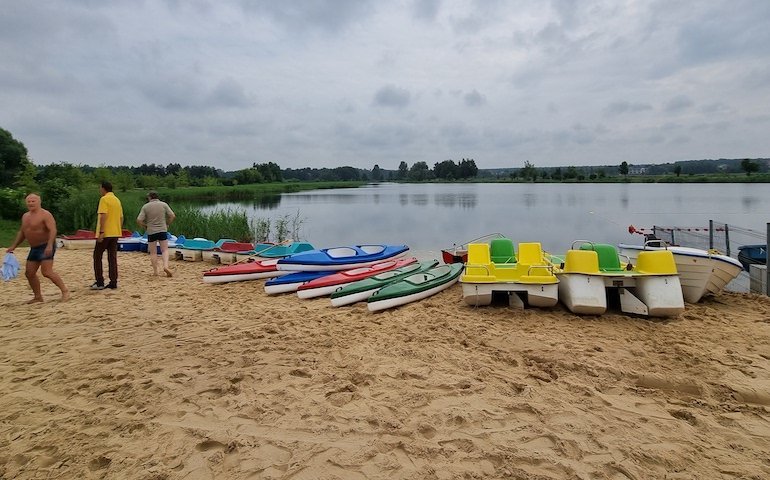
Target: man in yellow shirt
[109, 227]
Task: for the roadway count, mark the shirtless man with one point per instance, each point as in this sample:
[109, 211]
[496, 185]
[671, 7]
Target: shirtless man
[38, 227]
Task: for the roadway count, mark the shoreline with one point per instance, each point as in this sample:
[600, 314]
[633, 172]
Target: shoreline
[173, 378]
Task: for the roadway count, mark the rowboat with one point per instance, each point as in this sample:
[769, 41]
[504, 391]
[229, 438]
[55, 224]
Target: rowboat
[83, 239]
[459, 253]
[363, 289]
[593, 272]
[341, 258]
[243, 271]
[700, 271]
[328, 284]
[415, 287]
[292, 280]
[526, 278]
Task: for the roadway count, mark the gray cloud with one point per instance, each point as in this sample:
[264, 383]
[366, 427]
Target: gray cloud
[334, 82]
[678, 104]
[624, 106]
[392, 96]
[474, 99]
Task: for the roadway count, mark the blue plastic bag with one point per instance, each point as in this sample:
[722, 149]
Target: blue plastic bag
[10, 267]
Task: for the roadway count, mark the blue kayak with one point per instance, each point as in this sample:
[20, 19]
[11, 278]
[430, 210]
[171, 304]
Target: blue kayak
[291, 282]
[341, 258]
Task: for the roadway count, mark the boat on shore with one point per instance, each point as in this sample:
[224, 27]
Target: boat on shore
[245, 271]
[363, 289]
[459, 253]
[415, 287]
[527, 277]
[700, 271]
[328, 284]
[341, 258]
[592, 273]
[292, 280]
[83, 239]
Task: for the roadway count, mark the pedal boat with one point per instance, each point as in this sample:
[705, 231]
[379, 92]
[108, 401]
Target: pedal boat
[192, 249]
[593, 272]
[700, 271]
[494, 267]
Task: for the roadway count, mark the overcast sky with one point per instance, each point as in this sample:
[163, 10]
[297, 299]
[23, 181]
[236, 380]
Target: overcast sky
[328, 83]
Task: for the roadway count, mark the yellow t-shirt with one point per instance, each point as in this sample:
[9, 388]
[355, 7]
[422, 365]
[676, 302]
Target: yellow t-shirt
[113, 224]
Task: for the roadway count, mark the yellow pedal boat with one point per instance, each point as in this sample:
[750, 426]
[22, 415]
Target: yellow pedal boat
[591, 273]
[527, 278]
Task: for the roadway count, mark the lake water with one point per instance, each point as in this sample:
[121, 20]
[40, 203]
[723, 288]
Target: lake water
[428, 217]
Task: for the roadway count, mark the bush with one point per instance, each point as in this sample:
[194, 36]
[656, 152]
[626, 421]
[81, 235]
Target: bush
[12, 204]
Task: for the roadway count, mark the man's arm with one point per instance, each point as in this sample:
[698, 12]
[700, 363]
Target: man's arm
[50, 224]
[100, 233]
[16, 242]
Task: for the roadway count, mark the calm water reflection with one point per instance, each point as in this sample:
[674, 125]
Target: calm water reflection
[431, 216]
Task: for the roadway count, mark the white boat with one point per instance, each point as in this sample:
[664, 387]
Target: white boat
[590, 273]
[700, 271]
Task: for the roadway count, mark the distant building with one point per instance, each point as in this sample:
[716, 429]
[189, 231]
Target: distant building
[636, 170]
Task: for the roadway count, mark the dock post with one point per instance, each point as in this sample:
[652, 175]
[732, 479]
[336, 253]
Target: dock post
[727, 239]
[711, 234]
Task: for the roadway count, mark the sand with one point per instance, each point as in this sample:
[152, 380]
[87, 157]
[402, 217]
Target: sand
[173, 378]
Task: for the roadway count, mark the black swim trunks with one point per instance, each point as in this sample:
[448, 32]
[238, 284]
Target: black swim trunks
[157, 237]
[37, 254]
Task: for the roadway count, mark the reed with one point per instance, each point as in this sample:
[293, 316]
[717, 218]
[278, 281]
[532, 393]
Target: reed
[227, 223]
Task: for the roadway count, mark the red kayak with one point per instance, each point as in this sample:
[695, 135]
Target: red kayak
[326, 285]
[239, 272]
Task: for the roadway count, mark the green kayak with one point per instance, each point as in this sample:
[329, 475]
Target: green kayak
[416, 287]
[363, 289]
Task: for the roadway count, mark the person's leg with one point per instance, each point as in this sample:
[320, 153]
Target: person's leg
[164, 256]
[98, 267]
[34, 282]
[46, 266]
[112, 259]
[153, 251]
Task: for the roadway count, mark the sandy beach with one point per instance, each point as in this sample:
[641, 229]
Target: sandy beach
[173, 378]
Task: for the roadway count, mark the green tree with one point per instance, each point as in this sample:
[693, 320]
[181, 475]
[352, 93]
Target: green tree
[749, 167]
[447, 170]
[403, 170]
[529, 172]
[623, 168]
[419, 172]
[677, 170]
[376, 174]
[467, 168]
[13, 158]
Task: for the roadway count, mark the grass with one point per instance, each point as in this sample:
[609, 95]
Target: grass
[8, 230]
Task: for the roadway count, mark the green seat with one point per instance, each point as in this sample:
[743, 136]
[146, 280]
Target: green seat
[608, 256]
[501, 250]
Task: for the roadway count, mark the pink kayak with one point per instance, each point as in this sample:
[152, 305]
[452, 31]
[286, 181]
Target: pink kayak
[326, 285]
[243, 271]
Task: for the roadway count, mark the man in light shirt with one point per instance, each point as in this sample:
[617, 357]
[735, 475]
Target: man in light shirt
[156, 216]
